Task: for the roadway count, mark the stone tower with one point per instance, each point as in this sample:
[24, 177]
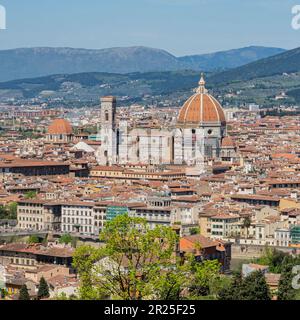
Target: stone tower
[108, 112]
[108, 152]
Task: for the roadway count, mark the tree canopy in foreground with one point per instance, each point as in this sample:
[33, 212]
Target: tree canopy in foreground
[137, 262]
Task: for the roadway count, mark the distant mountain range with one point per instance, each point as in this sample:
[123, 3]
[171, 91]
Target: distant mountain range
[286, 62]
[37, 62]
[260, 82]
[228, 59]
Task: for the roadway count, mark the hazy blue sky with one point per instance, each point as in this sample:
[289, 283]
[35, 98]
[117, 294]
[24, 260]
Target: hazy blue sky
[179, 26]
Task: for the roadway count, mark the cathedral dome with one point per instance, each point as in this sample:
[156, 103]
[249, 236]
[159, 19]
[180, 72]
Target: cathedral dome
[201, 109]
[227, 142]
[60, 126]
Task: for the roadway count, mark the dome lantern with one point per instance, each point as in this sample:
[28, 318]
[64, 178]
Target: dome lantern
[201, 109]
[201, 89]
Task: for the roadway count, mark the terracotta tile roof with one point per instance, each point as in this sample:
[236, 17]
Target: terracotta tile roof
[254, 197]
[189, 242]
[30, 163]
[38, 250]
[60, 126]
[284, 156]
[201, 108]
[227, 142]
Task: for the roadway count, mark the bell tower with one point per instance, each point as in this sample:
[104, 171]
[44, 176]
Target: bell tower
[108, 151]
[108, 112]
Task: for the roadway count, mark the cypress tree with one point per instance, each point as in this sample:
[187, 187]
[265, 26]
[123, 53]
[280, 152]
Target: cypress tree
[43, 291]
[232, 292]
[285, 289]
[24, 295]
[255, 287]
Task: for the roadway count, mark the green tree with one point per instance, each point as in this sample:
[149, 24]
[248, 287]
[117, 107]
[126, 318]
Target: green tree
[137, 262]
[273, 258]
[218, 284]
[204, 274]
[66, 239]
[12, 210]
[194, 231]
[3, 213]
[24, 294]
[30, 195]
[9, 211]
[61, 296]
[232, 291]
[3, 293]
[43, 291]
[84, 260]
[172, 283]
[246, 224]
[131, 263]
[285, 289]
[33, 239]
[252, 287]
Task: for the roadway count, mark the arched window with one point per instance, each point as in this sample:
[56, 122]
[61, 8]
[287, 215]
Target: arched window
[106, 116]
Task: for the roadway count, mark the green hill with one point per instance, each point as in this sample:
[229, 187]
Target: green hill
[258, 82]
[229, 59]
[132, 87]
[287, 62]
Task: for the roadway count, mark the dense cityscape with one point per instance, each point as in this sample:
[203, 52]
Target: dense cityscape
[66, 179]
[150, 155]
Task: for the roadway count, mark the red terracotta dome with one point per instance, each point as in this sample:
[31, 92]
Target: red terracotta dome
[60, 126]
[227, 142]
[201, 108]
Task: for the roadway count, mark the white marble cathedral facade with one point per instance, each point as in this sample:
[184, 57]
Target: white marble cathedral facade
[200, 133]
